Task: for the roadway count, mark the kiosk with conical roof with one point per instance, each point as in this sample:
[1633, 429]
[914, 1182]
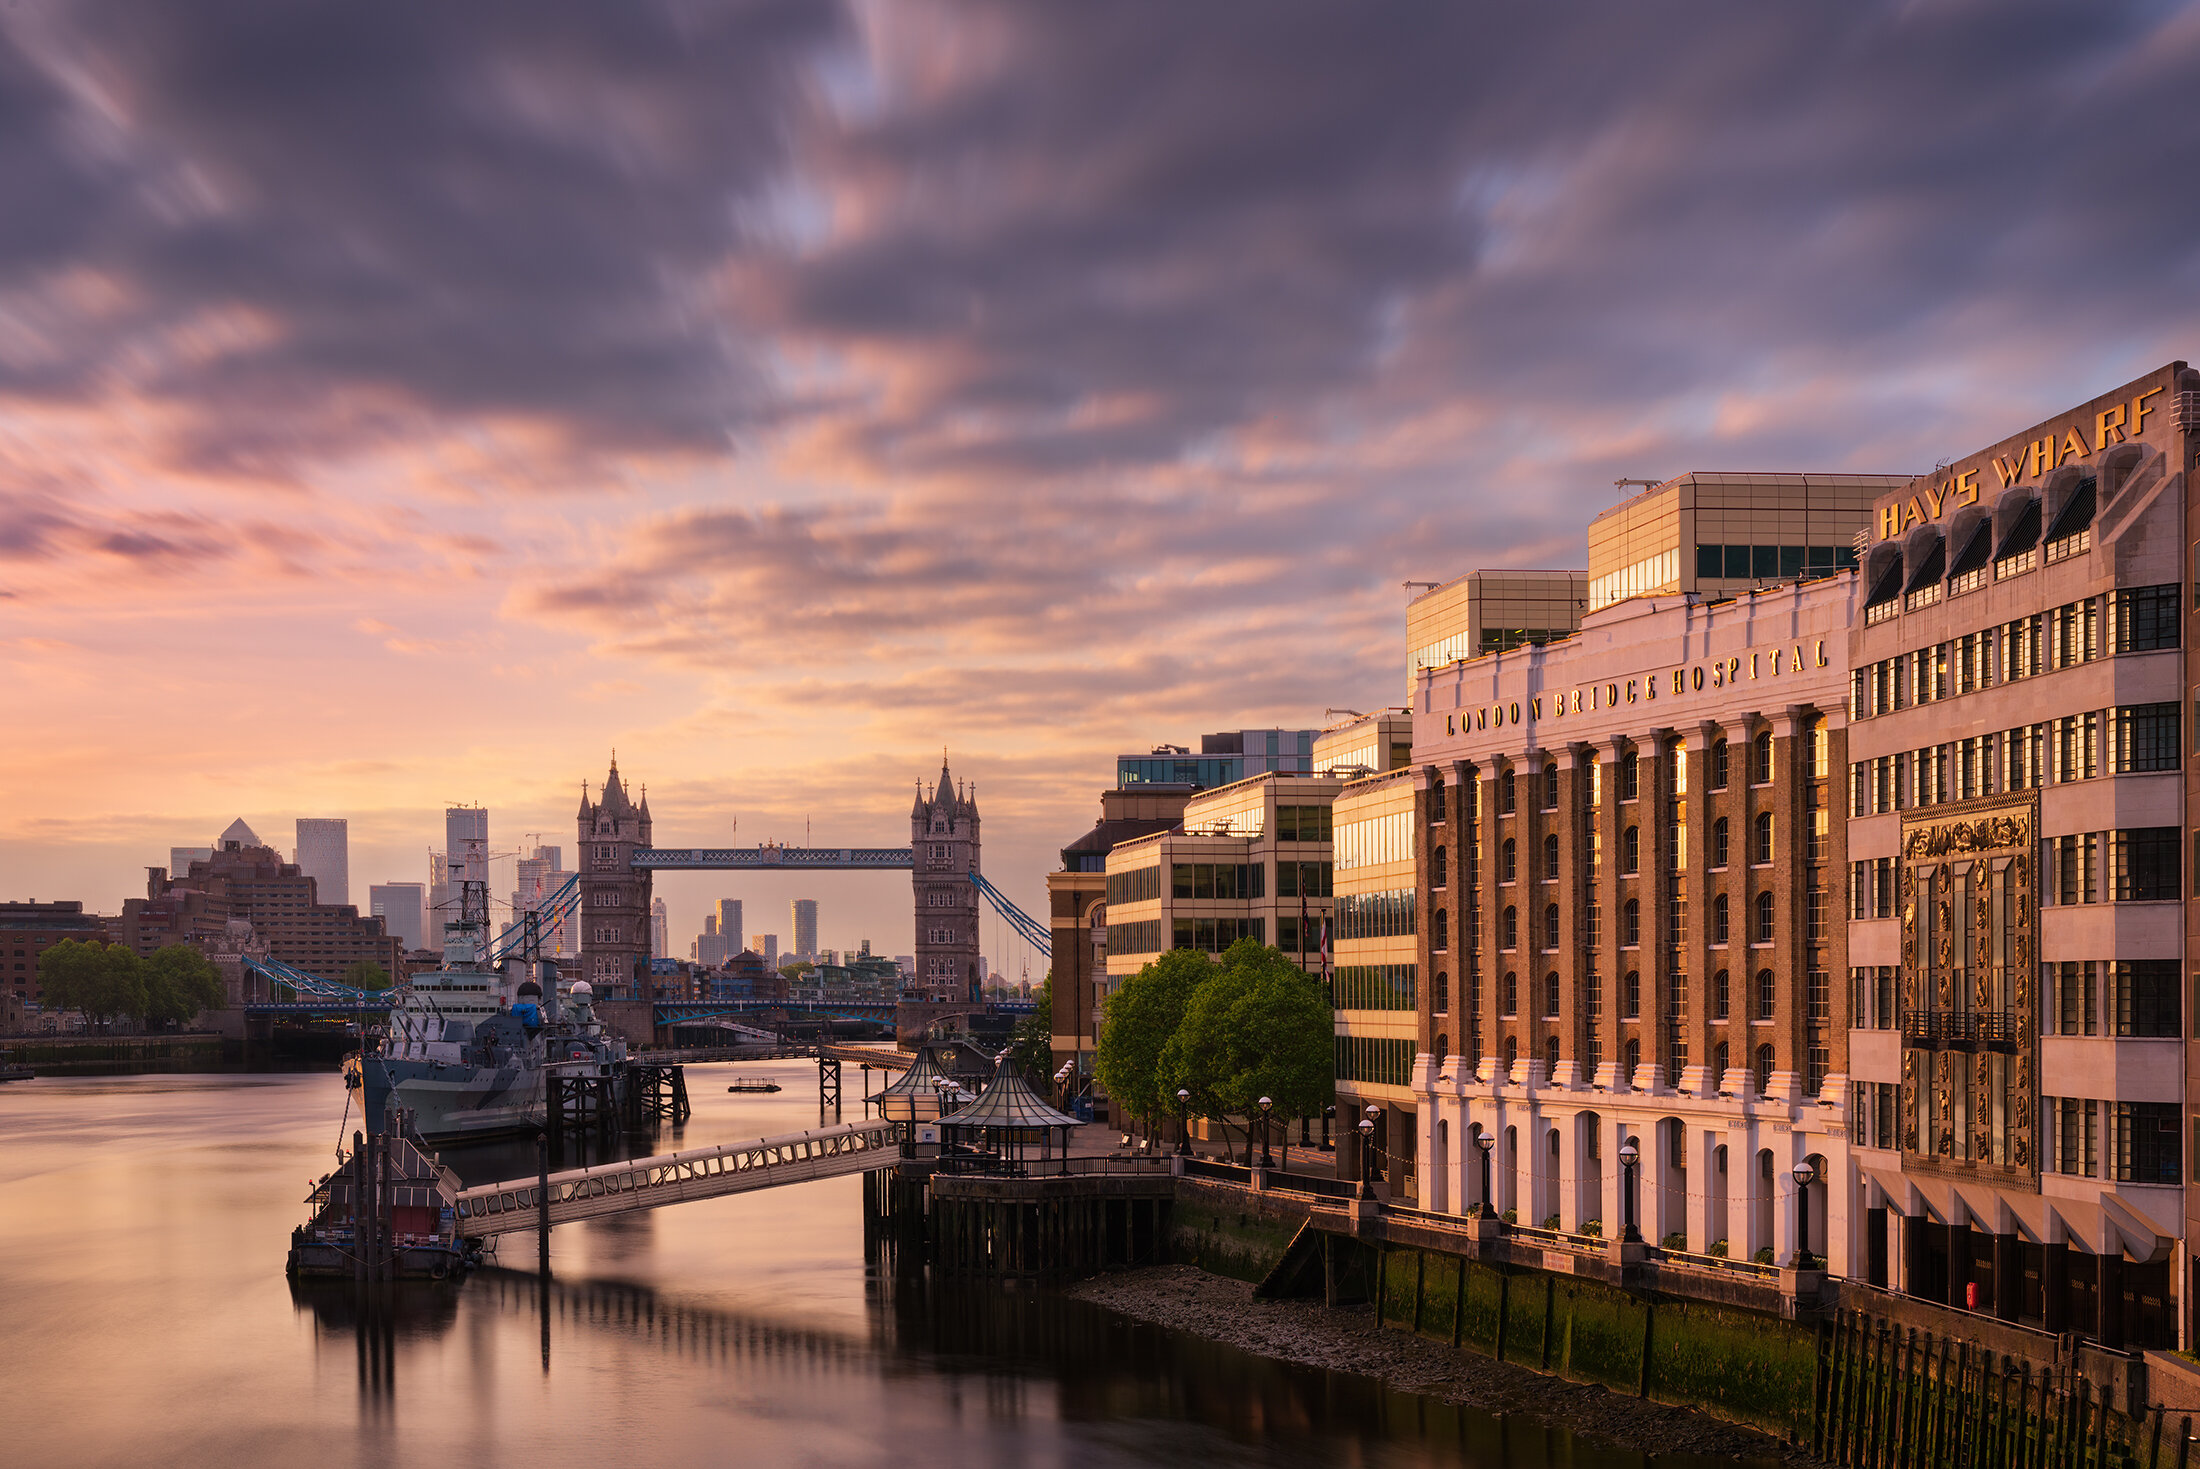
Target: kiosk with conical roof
[1006, 1119]
[915, 1095]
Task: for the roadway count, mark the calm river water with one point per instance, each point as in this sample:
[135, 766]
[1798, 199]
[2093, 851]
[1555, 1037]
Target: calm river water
[145, 1319]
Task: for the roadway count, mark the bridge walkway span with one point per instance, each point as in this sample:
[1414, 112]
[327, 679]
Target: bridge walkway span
[676, 1178]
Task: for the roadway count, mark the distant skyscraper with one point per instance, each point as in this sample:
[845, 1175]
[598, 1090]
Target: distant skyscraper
[324, 854]
[767, 944]
[439, 892]
[403, 909]
[729, 925]
[805, 926]
[540, 878]
[660, 929]
[181, 858]
[466, 848]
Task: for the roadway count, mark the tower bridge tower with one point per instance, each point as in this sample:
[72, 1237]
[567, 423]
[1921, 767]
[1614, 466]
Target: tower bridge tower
[943, 839]
[614, 914]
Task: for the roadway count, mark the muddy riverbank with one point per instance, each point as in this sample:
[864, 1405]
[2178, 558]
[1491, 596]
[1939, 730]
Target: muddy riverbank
[1346, 1339]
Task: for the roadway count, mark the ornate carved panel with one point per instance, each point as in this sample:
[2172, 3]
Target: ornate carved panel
[1969, 989]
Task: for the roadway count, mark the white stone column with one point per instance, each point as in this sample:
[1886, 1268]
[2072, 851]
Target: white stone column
[1703, 1167]
[1742, 1185]
[1614, 1129]
[1570, 1158]
[1654, 1179]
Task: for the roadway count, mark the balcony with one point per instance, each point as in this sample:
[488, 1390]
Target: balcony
[1960, 1030]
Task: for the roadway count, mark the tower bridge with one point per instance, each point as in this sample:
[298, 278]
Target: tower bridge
[608, 899]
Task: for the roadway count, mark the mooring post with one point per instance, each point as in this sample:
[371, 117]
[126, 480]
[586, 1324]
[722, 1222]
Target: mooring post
[542, 1201]
[360, 1227]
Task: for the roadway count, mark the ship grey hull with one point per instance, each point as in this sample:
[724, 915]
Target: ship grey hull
[451, 1101]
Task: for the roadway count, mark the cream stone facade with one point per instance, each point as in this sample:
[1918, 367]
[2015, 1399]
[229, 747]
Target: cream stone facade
[1629, 865]
[2019, 900]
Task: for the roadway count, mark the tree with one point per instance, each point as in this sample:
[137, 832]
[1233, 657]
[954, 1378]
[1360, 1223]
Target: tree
[365, 974]
[179, 983]
[1258, 1026]
[1033, 1040]
[795, 968]
[102, 980]
[1137, 1023]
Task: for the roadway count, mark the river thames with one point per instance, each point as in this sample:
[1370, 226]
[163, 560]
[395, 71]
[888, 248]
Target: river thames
[145, 1319]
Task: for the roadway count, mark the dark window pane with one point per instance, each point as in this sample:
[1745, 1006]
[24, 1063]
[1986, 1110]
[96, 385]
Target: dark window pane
[1791, 561]
[1709, 560]
[1737, 561]
[1764, 561]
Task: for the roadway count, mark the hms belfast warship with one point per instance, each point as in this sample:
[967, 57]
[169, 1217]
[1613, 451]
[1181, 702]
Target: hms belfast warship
[470, 1046]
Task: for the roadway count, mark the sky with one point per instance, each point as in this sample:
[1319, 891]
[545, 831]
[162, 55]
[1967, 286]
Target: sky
[413, 404]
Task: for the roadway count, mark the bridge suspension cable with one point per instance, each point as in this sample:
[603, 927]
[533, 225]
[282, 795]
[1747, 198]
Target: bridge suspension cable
[1027, 927]
[555, 909]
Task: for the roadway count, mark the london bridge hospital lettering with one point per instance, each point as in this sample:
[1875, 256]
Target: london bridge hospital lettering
[1690, 678]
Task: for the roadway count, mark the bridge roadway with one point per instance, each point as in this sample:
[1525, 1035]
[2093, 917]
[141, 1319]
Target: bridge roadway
[677, 1178]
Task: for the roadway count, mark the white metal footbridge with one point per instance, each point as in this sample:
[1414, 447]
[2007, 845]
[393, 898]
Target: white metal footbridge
[676, 1178]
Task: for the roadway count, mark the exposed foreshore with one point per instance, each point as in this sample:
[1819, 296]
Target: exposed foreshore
[1347, 1339]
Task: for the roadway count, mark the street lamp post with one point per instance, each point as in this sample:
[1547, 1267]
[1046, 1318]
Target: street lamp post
[1805, 1175]
[1367, 1158]
[1183, 1123]
[1267, 1159]
[1629, 1155]
[1487, 1143]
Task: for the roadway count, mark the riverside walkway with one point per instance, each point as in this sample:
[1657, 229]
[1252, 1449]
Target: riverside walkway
[678, 1178]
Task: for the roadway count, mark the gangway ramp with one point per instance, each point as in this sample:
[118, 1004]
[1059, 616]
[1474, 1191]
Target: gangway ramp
[677, 1178]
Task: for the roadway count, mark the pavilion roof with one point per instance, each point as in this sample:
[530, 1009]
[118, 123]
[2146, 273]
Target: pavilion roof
[1008, 1102]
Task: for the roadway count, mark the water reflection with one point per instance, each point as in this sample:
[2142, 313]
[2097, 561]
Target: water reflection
[147, 1316]
[998, 1359]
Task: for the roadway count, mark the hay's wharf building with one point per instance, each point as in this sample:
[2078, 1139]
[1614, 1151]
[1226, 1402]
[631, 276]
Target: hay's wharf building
[1882, 871]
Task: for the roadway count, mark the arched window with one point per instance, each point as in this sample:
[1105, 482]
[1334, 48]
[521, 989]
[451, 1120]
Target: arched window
[1719, 920]
[1438, 869]
[1719, 843]
[1630, 924]
[1630, 775]
[1592, 922]
[1719, 771]
[1760, 758]
[1509, 994]
[1550, 995]
[1760, 840]
[1505, 796]
[1764, 1070]
[1436, 800]
[1439, 931]
[1633, 1053]
[1722, 996]
[1763, 935]
[1512, 1053]
[1765, 994]
[1550, 1062]
[1508, 929]
[1631, 995]
[1443, 1047]
[1722, 1056]
[1507, 859]
[1550, 926]
[1440, 1002]
[1550, 786]
[1550, 858]
[1630, 850]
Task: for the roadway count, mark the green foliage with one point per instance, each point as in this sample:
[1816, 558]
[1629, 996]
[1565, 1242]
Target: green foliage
[179, 982]
[795, 968]
[1763, 1255]
[1033, 1038]
[1257, 1026]
[365, 974]
[1138, 1021]
[1674, 1241]
[102, 980]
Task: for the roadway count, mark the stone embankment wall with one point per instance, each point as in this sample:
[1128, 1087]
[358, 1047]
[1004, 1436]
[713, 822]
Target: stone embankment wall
[115, 1055]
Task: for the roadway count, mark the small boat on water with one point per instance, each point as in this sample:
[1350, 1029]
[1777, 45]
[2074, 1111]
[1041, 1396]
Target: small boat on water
[14, 1070]
[408, 1198]
[754, 1084]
